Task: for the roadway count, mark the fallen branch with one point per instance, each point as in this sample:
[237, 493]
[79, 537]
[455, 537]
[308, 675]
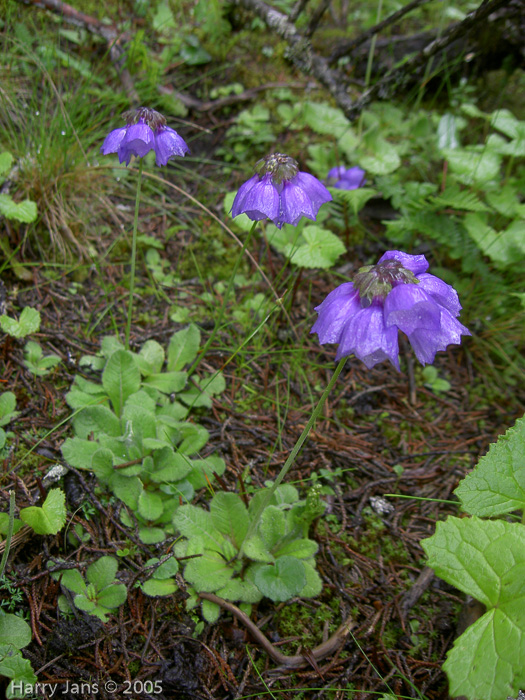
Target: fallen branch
[286, 662]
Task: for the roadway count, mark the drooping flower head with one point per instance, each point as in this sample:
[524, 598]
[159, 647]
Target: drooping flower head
[346, 178]
[280, 192]
[397, 294]
[145, 130]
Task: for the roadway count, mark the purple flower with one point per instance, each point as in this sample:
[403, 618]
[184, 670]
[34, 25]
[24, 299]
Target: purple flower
[279, 192]
[145, 130]
[346, 179]
[364, 316]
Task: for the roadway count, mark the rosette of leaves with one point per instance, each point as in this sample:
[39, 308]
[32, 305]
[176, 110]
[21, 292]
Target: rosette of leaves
[100, 595]
[132, 428]
[277, 561]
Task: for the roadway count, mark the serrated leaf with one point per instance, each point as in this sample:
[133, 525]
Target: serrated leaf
[485, 559]
[14, 630]
[356, 199]
[127, 488]
[102, 572]
[18, 669]
[121, 378]
[497, 484]
[202, 468]
[281, 581]
[255, 548]
[48, 519]
[384, 159]
[229, 516]
[314, 585]
[25, 212]
[321, 248]
[237, 590]
[209, 572]
[324, 119]
[183, 347]
[504, 248]
[192, 521]
[159, 588]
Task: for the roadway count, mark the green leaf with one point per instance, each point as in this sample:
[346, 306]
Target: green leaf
[229, 516]
[48, 519]
[72, 580]
[381, 157]
[4, 523]
[255, 548]
[121, 378]
[497, 484]
[112, 596]
[79, 453]
[321, 248]
[7, 407]
[183, 347]
[503, 120]
[324, 119]
[447, 131]
[6, 161]
[210, 611]
[14, 630]
[29, 322]
[169, 466]
[209, 572]
[96, 420]
[272, 526]
[485, 559]
[202, 467]
[194, 437]
[356, 199]
[504, 248]
[281, 581]
[155, 588]
[127, 488]
[25, 211]
[299, 548]
[314, 585]
[192, 521]
[150, 358]
[20, 671]
[167, 382]
[150, 505]
[102, 572]
[151, 535]
[472, 165]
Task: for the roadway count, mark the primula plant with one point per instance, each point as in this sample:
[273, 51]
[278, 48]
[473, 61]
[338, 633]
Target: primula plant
[241, 563]
[132, 428]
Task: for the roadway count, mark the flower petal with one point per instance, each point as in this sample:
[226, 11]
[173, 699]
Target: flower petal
[315, 190]
[427, 342]
[415, 263]
[408, 307]
[367, 337]
[441, 292]
[113, 140]
[295, 203]
[138, 141]
[335, 311]
[167, 144]
[237, 206]
[260, 201]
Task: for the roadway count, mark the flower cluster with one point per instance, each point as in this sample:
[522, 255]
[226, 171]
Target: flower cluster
[364, 316]
[145, 130]
[280, 192]
[346, 179]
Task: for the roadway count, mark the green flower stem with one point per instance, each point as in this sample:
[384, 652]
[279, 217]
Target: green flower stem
[133, 254]
[293, 454]
[9, 535]
[224, 301]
